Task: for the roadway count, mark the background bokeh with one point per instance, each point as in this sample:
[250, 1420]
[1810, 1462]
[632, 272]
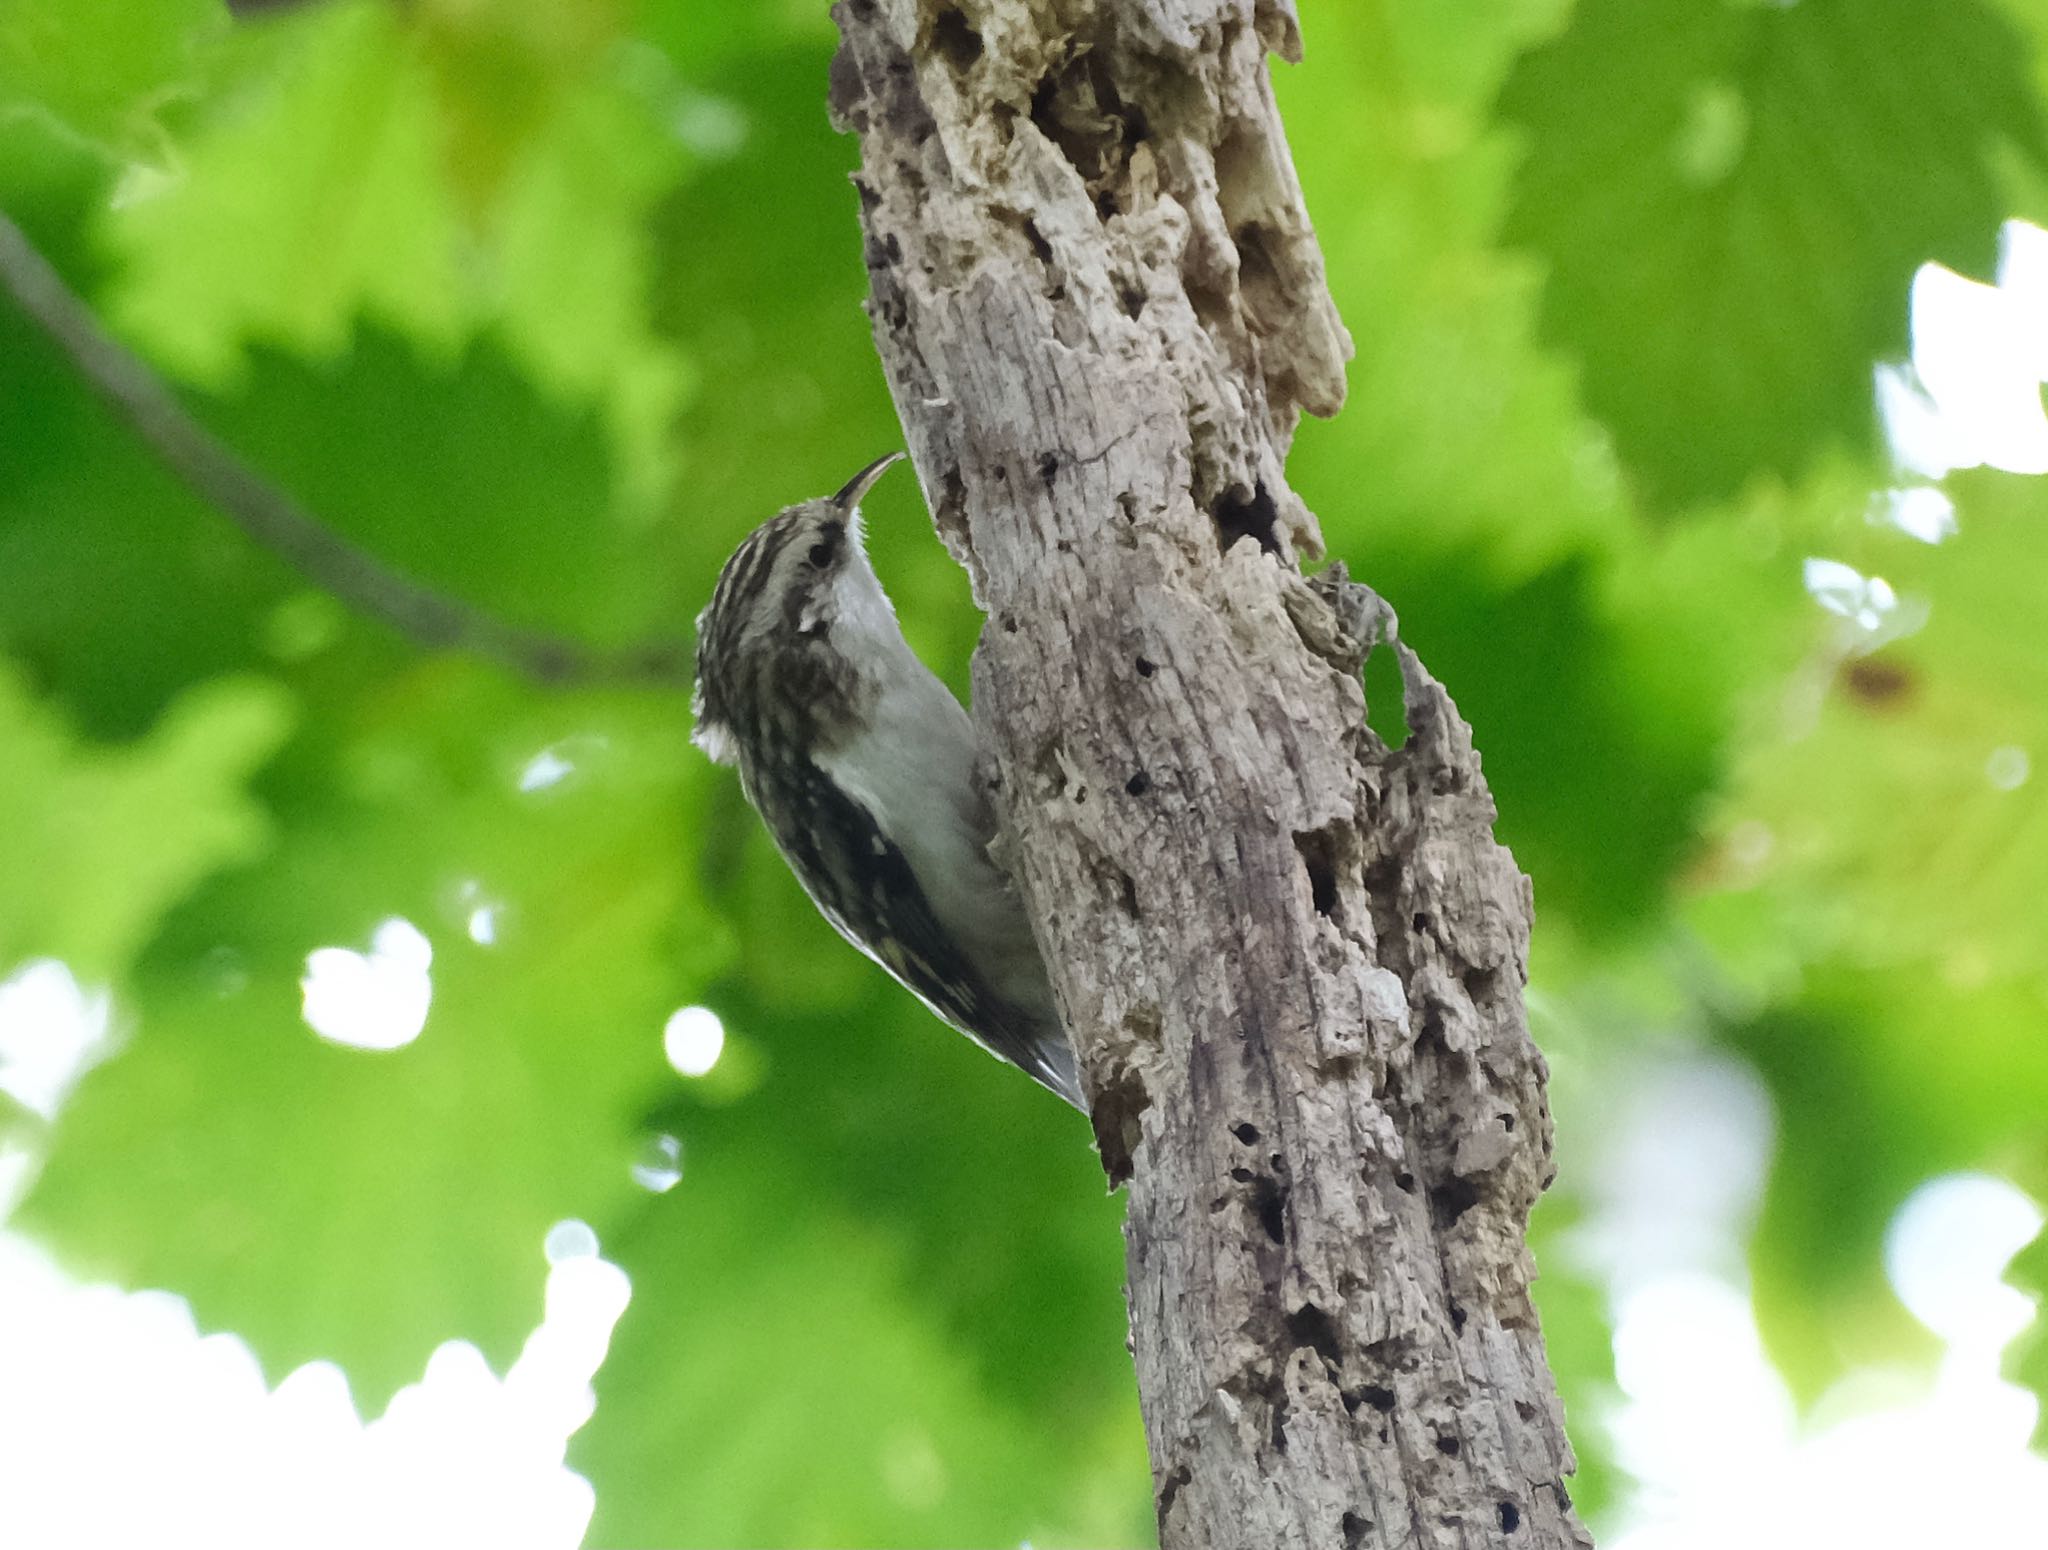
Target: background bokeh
[360, 1008]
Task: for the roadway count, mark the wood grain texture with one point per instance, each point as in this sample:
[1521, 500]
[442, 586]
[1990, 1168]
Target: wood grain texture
[1291, 957]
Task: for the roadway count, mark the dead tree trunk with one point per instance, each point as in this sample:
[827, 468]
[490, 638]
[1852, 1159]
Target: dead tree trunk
[1291, 957]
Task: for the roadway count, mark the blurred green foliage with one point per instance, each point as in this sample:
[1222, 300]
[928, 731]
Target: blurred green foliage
[548, 302]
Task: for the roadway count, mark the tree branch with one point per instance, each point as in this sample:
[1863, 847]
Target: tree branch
[214, 472]
[1291, 957]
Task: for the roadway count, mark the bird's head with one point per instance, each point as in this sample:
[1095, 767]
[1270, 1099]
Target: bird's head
[778, 637]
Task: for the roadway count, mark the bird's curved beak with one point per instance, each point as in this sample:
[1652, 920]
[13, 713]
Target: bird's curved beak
[850, 494]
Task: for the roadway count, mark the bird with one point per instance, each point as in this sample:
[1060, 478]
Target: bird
[863, 767]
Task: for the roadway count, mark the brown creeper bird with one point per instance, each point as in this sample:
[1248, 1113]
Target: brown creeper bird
[861, 764]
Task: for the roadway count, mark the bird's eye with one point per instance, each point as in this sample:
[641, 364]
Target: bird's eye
[821, 554]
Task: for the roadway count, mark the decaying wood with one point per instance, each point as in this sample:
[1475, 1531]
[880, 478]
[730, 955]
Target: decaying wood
[1292, 958]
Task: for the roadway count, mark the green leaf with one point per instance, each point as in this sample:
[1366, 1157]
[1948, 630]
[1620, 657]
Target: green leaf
[325, 1201]
[458, 474]
[1578, 1342]
[1880, 1081]
[102, 840]
[703, 39]
[242, 241]
[2026, 1359]
[790, 1388]
[1733, 201]
[1896, 818]
[1469, 488]
[464, 473]
[575, 269]
[102, 68]
[1001, 1248]
[793, 399]
[1465, 441]
[439, 209]
[1595, 766]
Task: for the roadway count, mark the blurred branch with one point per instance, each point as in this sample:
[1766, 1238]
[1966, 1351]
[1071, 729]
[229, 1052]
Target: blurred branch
[218, 475]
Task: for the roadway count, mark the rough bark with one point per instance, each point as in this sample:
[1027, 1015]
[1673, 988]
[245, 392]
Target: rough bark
[1292, 958]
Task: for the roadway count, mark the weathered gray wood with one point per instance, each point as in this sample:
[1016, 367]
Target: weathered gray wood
[1292, 959]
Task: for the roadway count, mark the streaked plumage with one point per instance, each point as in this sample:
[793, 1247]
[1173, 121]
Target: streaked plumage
[861, 763]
